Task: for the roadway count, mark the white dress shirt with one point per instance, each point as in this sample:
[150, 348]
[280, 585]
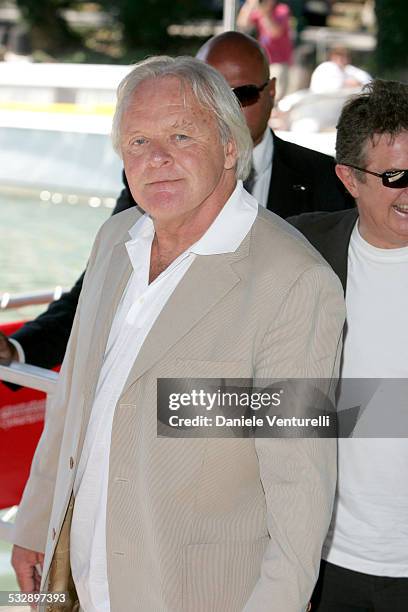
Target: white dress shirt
[138, 309]
[262, 163]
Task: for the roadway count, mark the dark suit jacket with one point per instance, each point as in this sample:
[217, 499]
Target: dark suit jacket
[329, 233]
[302, 181]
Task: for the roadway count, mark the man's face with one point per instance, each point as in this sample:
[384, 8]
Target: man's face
[174, 160]
[240, 69]
[341, 59]
[383, 212]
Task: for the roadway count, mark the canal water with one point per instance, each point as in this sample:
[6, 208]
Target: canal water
[44, 242]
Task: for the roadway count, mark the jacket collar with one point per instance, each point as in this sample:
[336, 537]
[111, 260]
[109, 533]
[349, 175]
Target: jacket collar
[329, 233]
[334, 244]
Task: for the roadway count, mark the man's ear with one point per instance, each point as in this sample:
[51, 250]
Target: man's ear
[348, 178]
[231, 155]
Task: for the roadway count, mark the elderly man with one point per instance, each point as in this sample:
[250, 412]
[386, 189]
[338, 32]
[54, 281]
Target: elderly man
[365, 556]
[155, 524]
[286, 178]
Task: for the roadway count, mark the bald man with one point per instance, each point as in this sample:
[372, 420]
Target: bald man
[287, 179]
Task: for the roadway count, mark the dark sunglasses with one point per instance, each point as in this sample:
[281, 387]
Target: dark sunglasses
[396, 179]
[248, 94]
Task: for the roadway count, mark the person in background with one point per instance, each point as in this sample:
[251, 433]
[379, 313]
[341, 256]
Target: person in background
[337, 74]
[272, 22]
[286, 178]
[199, 281]
[365, 556]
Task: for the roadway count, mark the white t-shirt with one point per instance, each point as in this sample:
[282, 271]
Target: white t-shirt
[369, 531]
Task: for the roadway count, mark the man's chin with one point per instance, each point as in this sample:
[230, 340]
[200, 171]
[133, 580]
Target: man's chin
[163, 207]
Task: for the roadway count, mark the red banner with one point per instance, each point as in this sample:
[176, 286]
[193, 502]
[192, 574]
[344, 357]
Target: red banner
[21, 424]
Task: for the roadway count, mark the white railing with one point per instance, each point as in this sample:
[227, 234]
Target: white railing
[9, 300]
[35, 378]
[30, 376]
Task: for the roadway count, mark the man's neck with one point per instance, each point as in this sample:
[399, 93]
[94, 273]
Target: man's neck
[174, 236]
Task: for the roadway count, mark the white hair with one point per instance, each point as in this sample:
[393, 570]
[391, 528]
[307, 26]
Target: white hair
[210, 89]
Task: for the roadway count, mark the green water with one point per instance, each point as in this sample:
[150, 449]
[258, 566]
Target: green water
[43, 244]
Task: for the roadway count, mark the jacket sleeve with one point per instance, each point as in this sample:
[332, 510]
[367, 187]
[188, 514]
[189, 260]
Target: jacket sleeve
[298, 474]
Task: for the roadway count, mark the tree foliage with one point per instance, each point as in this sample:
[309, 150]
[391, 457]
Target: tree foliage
[48, 29]
[145, 22]
[392, 38]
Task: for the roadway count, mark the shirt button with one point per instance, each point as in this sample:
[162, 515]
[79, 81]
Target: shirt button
[54, 533]
[71, 462]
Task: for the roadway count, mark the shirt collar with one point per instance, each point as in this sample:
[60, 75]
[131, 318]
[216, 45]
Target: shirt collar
[224, 235]
[143, 228]
[230, 226]
[373, 252]
[263, 153]
[140, 243]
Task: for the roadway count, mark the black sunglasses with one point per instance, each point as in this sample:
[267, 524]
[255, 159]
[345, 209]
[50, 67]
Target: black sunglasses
[396, 179]
[248, 94]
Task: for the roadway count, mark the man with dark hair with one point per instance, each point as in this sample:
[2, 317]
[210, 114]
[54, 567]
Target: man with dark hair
[286, 178]
[365, 555]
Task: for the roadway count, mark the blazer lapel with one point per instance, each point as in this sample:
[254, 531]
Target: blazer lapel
[288, 192]
[205, 283]
[334, 244]
[117, 276]
[330, 234]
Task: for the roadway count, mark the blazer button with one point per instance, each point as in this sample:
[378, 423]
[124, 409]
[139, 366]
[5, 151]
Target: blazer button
[54, 533]
[71, 462]
[299, 188]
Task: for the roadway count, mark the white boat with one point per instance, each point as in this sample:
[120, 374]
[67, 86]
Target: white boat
[55, 122]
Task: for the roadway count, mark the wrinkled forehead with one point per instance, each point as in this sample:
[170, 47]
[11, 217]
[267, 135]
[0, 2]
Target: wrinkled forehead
[167, 101]
[170, 89]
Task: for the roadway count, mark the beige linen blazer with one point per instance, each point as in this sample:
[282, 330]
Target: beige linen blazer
[198, 525]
